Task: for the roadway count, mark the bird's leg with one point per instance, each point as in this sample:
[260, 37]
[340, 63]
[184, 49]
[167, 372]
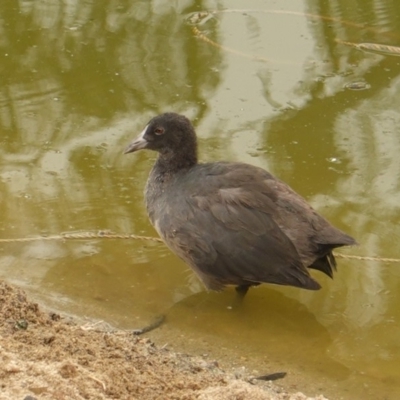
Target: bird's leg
[241, 291]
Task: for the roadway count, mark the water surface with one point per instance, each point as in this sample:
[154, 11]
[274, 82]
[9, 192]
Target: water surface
[266, 82]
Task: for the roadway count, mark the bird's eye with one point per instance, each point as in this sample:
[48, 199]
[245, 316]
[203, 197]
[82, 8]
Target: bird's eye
[159, 131]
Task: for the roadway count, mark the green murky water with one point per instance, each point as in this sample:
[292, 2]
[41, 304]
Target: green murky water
[266, 82]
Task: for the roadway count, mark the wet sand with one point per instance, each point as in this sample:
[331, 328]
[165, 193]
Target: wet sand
[48, 356]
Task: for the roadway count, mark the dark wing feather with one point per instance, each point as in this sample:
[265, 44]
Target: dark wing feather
[313, 236]
[228, 236]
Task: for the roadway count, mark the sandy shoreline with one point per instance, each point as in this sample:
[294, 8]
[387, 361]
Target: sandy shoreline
[47, 356]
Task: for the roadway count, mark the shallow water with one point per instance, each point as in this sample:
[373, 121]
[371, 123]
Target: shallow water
[268, 83]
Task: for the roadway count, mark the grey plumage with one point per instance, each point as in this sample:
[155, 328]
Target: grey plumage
[233, 223]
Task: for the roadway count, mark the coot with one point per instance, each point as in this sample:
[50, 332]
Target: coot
[233, 223]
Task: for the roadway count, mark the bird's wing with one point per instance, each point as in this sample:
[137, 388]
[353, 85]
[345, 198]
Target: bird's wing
[228, 236]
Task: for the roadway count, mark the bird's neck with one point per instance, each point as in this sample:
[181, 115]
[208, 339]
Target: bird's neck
[169, 162]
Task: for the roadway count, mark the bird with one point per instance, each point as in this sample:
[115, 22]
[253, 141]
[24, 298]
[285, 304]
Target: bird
[233, 223]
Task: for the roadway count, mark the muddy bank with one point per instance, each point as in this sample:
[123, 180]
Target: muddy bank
[46, 356]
